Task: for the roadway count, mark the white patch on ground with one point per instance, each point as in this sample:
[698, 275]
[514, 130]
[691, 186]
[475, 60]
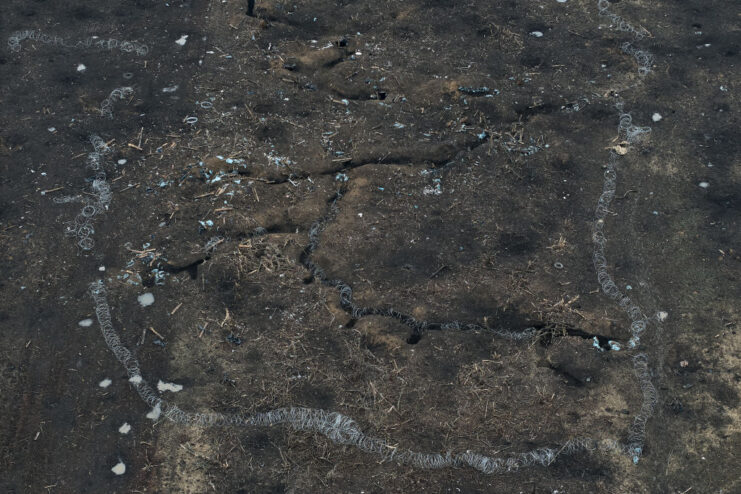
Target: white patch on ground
[119, 468]
[662, 315]
[105, 383]
[536, 34]
[101, 268]
[86, 323]
[135, 379]
[125, 428]
[182, 40]
[704, 185]
[145, 299]
[155, 413]
[656, 117]
[81, 68]
[163, 386]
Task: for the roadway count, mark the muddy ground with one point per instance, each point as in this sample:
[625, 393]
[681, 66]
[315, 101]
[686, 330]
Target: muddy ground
[455, 203]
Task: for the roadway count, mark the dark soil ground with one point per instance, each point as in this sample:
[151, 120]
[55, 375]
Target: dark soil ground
[455, 206]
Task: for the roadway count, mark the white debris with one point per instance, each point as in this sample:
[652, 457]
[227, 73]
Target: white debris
[81, 68]
[101, 268]
[105, 383]
[704, 185]
[163, 386]
[119, 468]
[155, 413]
[135, 379]
[662, 315]
[86, 323]
[122, 161]
[51, 129]
[125, 428]
[656, 117]
[561, 1]
[145, 299]
[170, 89]
[537, 34]
[182, 40]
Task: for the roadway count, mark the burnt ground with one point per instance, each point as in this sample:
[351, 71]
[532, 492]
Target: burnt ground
[455, 205]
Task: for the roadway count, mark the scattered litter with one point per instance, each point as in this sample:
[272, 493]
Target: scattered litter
[145, 299]
[155, 413]
[81, 67]
[436, 190]
[182, 40]
[105, 383]
[656, 117]
[125, 428]
[86, 323]
[234, 339]
[119, 468]
[341, 177]
[595, 344]
[621, 149]
[163, 386]
[475, 91]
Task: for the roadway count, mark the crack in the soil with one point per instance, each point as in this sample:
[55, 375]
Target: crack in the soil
[547, 332]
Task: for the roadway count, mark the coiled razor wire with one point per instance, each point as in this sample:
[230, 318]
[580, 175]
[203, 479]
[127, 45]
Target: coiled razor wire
[347, 302]
[94, 42]
[637, 435]
[645, 59]
[338, 427]
[120, 93]
[82, 226]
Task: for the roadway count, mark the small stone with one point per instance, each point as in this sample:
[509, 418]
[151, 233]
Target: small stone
[145, 299]
[125, 428]
[119, 468]
[182, 40]
[656, 117]
[105, 383]
[704, 185]
[163, 386]
[155, 413]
